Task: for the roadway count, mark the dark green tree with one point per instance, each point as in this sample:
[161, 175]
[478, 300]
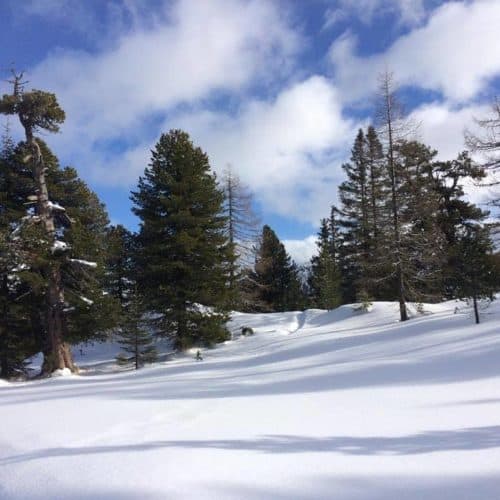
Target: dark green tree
[120, 266]
[183, 251]
[77, 252]
[375, 167]
[135, 339]
[354, 195]
[454, 212]
[476, 268]
[422, 243]
[275, 276]
[324, 278]
[362, 197]
[38, 110]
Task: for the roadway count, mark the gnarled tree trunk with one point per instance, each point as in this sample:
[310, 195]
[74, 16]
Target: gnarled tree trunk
[57, 353]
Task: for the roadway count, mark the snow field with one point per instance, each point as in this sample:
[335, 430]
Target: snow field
[314, 405]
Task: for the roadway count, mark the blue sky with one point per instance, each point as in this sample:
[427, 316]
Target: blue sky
[276, 89]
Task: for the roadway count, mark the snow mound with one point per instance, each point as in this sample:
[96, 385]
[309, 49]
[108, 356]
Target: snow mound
[61, 372]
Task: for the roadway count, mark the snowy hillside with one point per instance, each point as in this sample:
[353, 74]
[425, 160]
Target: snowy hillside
[315, 405]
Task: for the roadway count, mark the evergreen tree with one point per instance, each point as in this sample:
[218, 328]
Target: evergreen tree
[354, 197]
[477, 272]
[422, 243]
[412, 246]
[40, 110]
[324, 279]
[183, 250]
[275, 277]
[15, 343]
[375, 167]
[361, 196]
[454, 213]
[58, 241]
[135, 339]
[120, 263]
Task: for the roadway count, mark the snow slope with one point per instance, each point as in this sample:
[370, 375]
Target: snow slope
[315, 405]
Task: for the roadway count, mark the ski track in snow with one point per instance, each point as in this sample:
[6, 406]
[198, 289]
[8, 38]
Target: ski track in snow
[315, 405]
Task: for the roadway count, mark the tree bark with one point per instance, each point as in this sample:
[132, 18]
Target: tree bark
[476, 309]
[57, 354]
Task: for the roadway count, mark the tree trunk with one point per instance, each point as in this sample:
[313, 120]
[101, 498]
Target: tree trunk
[395, 211]
[476, 309]
[57, 354]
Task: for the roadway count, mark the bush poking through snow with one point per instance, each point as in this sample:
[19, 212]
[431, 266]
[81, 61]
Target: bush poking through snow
[364, 304]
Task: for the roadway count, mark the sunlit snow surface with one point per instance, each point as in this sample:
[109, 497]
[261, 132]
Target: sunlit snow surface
[315, 405]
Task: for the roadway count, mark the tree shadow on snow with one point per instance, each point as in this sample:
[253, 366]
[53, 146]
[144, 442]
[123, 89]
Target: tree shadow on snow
[475, 438]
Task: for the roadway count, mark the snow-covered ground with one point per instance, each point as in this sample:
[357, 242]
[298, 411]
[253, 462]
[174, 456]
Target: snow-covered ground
[315, 405]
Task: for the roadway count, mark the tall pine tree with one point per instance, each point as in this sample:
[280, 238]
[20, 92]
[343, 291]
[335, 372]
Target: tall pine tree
[183, 250]
[324, 278]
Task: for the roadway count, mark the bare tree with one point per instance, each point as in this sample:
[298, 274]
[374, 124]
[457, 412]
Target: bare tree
[412, 237]
[487, 143]
[393, 128]
[242, 229]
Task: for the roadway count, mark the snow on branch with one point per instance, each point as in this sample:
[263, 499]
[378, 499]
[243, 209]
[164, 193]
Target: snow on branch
[55, 207]
[86, 300]
[59, 246]
[84, 262]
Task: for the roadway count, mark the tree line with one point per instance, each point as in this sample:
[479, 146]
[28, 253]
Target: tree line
[402, 231]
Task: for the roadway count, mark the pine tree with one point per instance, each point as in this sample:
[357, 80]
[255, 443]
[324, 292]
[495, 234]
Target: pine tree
[58, 240]
[135, 339]
[183, 251]
[422, 242]
[361, 196]
[354, 197]
[454, 212]
[120, 263]
[375, 167]
[477, 272]
[412, 245]
[324, 279]
[275, 276]
[15, 342]
[40, 110]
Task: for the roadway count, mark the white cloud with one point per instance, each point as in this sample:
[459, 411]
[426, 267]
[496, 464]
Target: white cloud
[442, 125]
[197, 52]
[456, 53]
[285, 150]
[301, 251]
